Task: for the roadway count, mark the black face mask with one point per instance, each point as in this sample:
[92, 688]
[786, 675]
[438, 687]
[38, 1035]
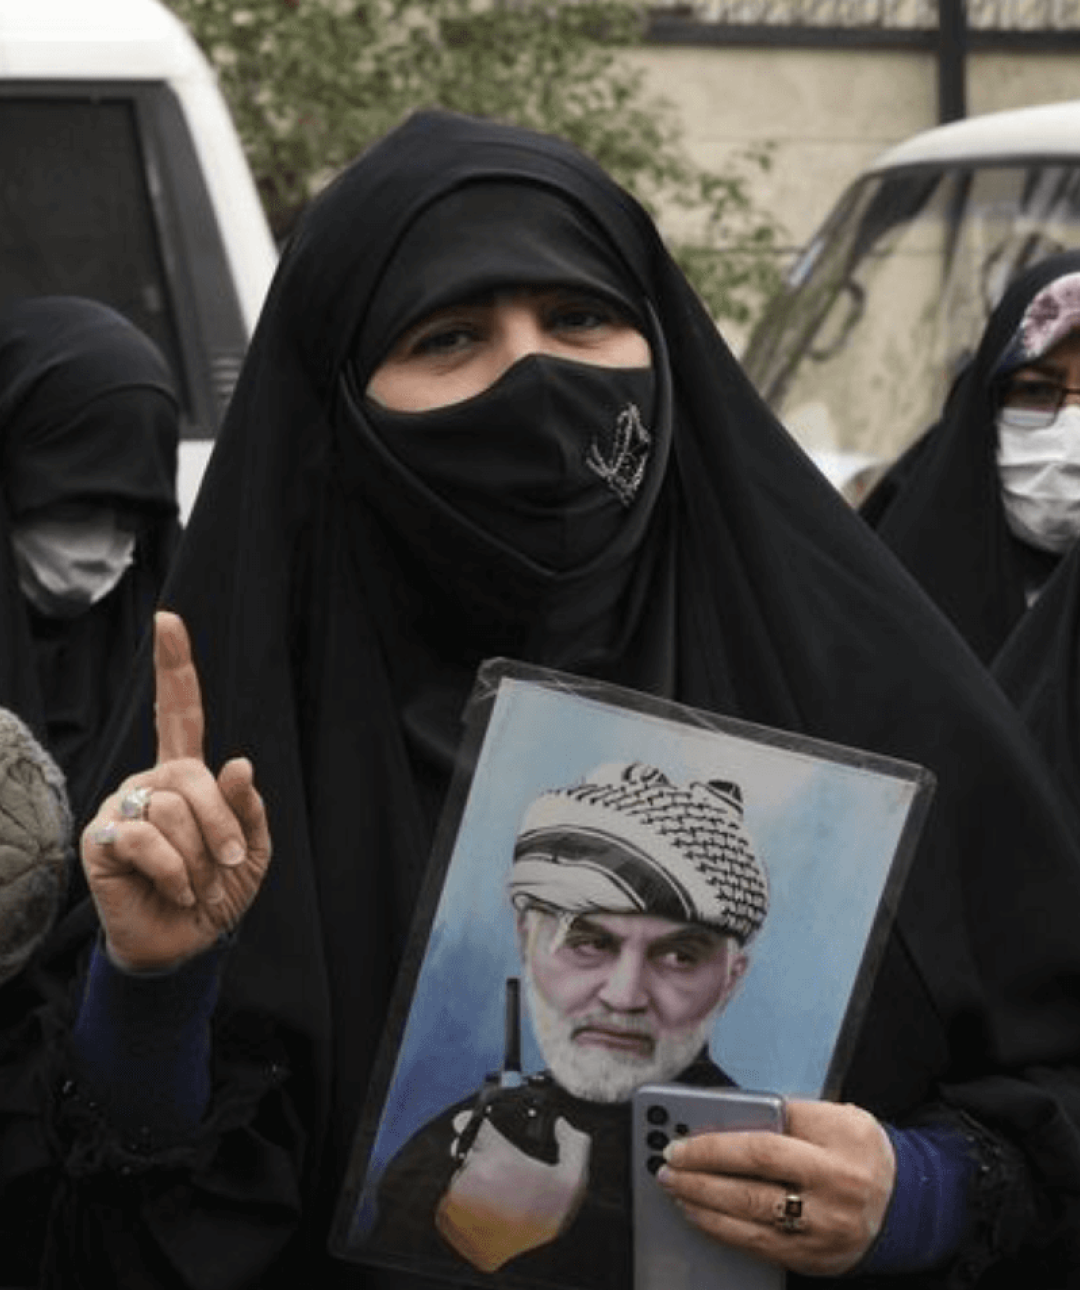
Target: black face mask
[548, 461]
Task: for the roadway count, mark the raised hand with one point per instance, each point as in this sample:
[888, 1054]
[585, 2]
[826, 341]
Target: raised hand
[176, 855]
[836, 1163]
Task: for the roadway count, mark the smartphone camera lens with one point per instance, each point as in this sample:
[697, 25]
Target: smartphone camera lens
[657, 1140]
[654, 1163]
[656, 1114]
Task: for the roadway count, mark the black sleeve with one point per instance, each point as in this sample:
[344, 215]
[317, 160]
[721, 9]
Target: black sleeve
[80, 1206]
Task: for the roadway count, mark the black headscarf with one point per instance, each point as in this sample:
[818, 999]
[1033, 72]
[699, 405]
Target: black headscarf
[88, 414]
[939, 507]
[338, 611]
[1039, 668]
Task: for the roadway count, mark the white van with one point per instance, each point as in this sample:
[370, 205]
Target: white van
[888, 300]
[122, 178]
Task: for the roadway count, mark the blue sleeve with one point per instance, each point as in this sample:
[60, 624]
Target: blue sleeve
[930, 1210]
[142, 1044]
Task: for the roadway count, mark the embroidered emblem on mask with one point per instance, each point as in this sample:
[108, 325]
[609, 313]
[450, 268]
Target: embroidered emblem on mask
[623, 468]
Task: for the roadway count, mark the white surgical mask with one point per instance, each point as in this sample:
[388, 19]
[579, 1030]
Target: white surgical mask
[66, 565]
[1040, 480]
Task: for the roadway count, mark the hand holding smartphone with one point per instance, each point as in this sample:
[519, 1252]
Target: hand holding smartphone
[669, 1252]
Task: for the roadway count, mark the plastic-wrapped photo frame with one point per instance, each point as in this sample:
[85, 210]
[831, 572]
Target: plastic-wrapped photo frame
[742, 880]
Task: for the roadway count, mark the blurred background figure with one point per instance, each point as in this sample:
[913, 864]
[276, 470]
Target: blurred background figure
[35, 866]
[1039, 669]
[984, 506]
[89, 436]
[35, 841]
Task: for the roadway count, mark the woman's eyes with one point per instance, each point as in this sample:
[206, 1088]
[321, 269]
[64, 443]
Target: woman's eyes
[581, 316]
[569, 319]
[1032, 394]
[446, 339]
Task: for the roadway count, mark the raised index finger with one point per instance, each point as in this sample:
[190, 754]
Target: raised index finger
[178, 711]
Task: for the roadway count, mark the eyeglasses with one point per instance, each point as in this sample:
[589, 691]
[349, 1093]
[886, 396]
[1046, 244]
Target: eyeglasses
[1032, 405]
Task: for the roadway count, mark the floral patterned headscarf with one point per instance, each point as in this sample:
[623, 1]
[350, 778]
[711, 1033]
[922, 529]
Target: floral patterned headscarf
[1050, 317]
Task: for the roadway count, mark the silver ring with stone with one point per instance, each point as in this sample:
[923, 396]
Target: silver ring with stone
[135, 804]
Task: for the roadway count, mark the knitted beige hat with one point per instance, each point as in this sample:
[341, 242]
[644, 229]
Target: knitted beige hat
[35, 842]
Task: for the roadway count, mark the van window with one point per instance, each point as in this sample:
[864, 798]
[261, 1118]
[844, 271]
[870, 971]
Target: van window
[101, 195]
[888, 302]
[75, 215]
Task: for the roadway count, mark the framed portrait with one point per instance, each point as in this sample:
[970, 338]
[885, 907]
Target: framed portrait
[623, 891]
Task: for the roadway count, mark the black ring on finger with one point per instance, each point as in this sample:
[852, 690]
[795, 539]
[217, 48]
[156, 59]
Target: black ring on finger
[788, 1213]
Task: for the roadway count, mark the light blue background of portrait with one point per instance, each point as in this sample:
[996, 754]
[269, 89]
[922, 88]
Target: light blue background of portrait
[827, 832]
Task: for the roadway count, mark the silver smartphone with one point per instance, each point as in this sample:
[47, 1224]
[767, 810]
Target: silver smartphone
[669, 1252]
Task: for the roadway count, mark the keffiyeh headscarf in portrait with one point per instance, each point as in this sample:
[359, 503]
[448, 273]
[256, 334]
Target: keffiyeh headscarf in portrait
[627, 840]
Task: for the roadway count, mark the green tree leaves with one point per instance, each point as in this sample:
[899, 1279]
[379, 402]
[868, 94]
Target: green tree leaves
[312, 82]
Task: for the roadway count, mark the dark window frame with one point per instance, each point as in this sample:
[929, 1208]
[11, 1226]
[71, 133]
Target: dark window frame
[201, 293]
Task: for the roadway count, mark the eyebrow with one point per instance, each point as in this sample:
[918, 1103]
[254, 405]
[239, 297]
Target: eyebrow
[701, 937]
[583, 923]
[1039, 367]
[691, 936]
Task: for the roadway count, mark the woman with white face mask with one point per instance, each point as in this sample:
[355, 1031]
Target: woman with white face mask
[983, 507]
[89, 430]
[1039, 455]
[1038, 423]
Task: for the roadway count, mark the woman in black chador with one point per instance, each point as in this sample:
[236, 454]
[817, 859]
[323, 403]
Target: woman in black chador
[484, 414]
[1039, 665]
[982, 508]
[89, 431]
[985, 509]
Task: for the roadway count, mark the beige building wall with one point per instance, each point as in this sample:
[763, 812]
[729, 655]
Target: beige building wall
[827, 112]
[999, 81]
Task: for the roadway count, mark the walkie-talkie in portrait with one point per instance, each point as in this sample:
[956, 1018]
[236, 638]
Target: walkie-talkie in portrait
[521, 1170]
[519, 1106]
